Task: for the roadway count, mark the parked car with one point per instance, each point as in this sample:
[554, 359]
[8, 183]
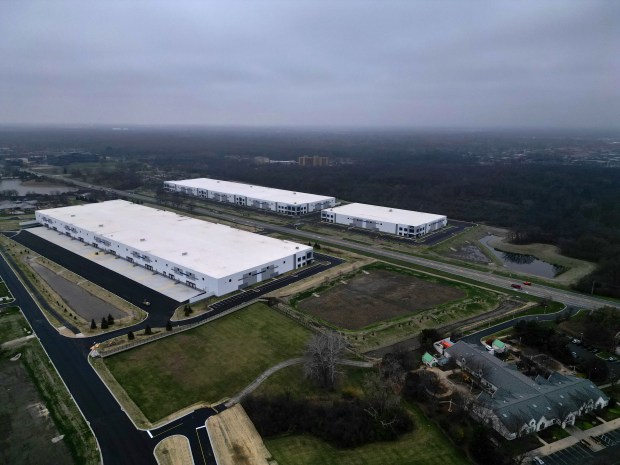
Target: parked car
[612, 359]
[574, 354]
[576, 341]
[537, 460]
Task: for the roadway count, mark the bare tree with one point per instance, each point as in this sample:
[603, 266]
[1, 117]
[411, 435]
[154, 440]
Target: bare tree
[392, 372]
[381, 394]
[322, 353]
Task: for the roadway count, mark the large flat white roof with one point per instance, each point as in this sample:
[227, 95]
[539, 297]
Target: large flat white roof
[387, 214]
[212, 249]
[257, 192]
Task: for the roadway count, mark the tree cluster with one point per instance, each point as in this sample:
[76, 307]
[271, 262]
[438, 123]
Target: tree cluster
[601, 326]
[544, 338]
[342, 423]
[105, 322]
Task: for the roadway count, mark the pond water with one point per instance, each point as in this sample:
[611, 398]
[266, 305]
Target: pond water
[527, 264]
[23, 189]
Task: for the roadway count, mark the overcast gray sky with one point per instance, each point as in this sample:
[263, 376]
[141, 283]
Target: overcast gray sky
[346, 63]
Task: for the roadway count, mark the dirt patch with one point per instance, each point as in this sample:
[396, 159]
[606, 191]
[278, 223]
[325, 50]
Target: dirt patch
[174, 450]
[377, 296]
[468, 253]
[26, 428]
[291, 290]
[235, 440]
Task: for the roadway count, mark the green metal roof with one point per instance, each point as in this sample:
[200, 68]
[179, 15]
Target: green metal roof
[499, 344]
[427, 358]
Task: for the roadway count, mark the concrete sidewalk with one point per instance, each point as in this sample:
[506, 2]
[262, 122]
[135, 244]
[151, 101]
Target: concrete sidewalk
[16, 342]
[576, 436]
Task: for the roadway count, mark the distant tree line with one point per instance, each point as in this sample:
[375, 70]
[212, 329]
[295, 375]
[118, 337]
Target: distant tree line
[463, 175]
[574, 208]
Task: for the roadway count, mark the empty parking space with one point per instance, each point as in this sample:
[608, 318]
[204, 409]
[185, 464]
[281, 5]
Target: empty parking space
[161, 305]
[574, 455]
[324, 262]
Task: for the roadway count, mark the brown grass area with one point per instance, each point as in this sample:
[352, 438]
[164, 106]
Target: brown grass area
[318, 279]
[174, 450]
[235, 440]
[377, 296]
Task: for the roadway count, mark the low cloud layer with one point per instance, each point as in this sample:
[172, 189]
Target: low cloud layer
[346, 63]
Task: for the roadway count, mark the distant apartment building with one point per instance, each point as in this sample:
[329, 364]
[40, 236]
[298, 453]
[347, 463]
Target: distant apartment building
[314, 160]
[246, 195]
[404, 223]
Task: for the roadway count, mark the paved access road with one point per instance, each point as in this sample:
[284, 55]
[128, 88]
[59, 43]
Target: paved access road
[559, 295]
[119, 440]
[566, 297]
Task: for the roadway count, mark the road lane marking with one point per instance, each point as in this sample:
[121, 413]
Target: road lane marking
[165, 431]
[204, 460]
[149, 433]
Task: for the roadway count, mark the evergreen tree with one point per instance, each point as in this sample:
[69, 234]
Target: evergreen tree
[169, 326]
[110, 319]
[148, 330]
[104, 323]
[93, 325]
[130, 336]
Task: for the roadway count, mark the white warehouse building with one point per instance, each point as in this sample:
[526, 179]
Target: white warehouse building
[403, 223]
[264, 198]
[211, 257]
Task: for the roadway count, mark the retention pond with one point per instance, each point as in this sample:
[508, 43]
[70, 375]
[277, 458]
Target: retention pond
[527, 264]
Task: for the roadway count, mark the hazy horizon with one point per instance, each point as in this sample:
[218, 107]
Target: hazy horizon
[416, 65]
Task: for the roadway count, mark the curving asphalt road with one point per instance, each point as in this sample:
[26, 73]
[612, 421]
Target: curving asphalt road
[120, 442]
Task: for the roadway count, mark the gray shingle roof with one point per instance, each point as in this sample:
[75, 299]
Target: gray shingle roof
[520, 397]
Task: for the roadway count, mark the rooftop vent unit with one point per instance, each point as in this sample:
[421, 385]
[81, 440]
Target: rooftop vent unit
[184, 253]
[101, 226]
[142, 239]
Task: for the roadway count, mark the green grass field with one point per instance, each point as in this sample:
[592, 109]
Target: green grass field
[291, 380]
[13, 325]
[208, 363]
[425, 445]
[4, 291]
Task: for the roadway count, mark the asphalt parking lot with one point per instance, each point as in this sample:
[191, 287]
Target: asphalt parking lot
[574, 455]
[322, 263]
[161, 307]
[454, 227]
[582, 455]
